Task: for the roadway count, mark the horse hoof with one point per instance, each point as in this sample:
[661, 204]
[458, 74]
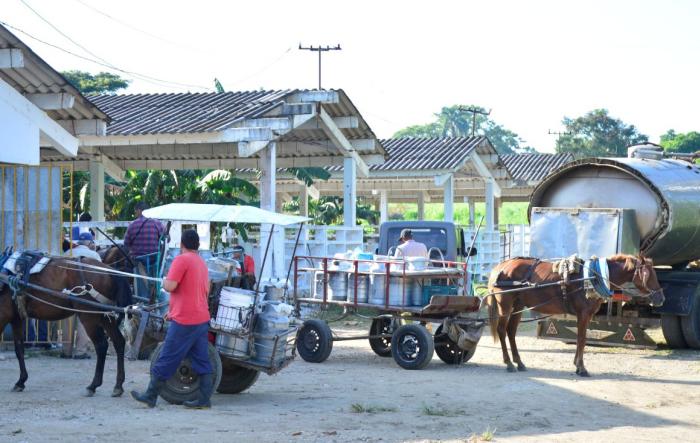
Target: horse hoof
[18, 388]
[117, 392]
[583, 373]
[521, 367]
[510, 368]
[89, 392]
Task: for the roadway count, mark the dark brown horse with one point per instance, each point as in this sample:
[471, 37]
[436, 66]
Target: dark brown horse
[505, 309]
[60, 274]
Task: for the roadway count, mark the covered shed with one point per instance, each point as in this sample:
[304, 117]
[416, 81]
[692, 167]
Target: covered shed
[263, 130]
[528, 170]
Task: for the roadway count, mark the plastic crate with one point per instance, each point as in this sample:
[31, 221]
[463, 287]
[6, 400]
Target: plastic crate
[430, 290]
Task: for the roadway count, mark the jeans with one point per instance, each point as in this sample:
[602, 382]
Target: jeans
[183, 341]
[149, 263]
[43, 331]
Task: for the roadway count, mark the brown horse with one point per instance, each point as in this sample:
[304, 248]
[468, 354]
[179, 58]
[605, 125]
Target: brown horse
[59, 274]
[505, 309]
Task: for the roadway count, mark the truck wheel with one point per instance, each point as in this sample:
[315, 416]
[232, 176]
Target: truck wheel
[691, 324]
[673, 331]
[315, 341]
[412, 346]
[184, 385]
[448, 351]
[236, 379]
[381, 346]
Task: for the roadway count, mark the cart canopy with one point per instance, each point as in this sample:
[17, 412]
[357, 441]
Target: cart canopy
[201, 213]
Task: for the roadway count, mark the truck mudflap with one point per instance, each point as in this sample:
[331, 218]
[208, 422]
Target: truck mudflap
[680, 288]
[612, 332]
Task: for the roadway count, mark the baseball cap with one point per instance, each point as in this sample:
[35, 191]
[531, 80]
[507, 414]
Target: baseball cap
[85, 236]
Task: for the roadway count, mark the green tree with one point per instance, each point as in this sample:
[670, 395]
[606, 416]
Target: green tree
[93, 84]
[688, 142]
[454, 121]
[597, 134]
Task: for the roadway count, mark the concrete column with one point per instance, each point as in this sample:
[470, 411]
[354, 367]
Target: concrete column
[268, 175]
[497, 211]
[421, 206]
[448, 199]
[349, 192]
[97, 191]
[383, 206]
[489, 199]
[304, 201]
[472, 211]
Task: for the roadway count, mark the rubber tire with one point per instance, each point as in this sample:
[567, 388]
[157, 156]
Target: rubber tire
[381, 346]
[691, 324]
[236, 379]
[175, 391]
[449, 352]
[314, 341]
[673, 331]
[424, 341]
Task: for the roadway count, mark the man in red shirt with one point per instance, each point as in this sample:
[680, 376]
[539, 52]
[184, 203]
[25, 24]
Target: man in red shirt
[188, 284]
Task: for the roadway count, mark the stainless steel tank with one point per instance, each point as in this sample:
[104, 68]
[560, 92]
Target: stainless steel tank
[664, 193]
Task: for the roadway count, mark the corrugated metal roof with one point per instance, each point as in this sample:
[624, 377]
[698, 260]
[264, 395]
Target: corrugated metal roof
[534, 167]
[417, 153]
[36, 76]
[138, 114]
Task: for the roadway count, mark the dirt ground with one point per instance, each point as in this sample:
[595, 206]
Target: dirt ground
[634, 395]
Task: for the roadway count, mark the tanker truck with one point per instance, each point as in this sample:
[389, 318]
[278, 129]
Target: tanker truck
[647, 203]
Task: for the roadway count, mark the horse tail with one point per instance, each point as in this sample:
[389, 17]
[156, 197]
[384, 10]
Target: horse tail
[493, 319]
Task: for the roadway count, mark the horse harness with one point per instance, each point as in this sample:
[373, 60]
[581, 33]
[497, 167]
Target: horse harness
[87, 289]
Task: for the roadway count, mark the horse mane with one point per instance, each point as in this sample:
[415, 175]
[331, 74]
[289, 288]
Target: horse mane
[630, 261]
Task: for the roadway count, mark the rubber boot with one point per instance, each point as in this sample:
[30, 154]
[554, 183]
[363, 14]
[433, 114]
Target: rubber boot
[150, 397]
[206, 386]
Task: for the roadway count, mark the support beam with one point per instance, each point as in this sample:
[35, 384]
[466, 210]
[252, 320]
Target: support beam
[485, 173]
[52, 101]
[90, 128]
[383, 206]
[472, 211]
[448, 199]
[497, 211]
[32, 118]
[303, 201]
[248, 149]
[421, 206]
[97, 190]
[349, 192]
[268, 172]
[349, 122]
[230, 135]
[112, 168]
[342, 143]
[11, 58]
[316, 96]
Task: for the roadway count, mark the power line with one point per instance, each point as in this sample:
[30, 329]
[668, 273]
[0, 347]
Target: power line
[134, 28]
[146, 78]
[320, 49]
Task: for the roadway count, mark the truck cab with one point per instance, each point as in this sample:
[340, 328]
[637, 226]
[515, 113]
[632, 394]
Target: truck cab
[447, 237]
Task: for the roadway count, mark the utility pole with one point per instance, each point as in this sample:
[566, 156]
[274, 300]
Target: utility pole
[475, 111]
[320, 49]
[559, 134]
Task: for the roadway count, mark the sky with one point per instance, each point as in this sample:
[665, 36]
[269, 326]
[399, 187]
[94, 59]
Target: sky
[531, 62]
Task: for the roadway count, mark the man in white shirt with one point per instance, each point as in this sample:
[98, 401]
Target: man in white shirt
[410, 247]
[85, 248]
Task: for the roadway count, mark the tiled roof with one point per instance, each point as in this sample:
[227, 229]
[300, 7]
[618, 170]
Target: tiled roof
[534, 167]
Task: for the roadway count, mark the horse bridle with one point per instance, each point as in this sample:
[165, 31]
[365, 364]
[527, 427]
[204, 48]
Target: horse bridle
[642, 273]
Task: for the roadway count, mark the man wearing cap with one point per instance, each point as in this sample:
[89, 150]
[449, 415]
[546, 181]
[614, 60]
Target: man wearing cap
[188, 284]
[85, 248]
[409, 247]
[247, 266]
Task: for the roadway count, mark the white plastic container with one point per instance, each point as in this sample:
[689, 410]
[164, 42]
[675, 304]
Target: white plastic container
[235, 309]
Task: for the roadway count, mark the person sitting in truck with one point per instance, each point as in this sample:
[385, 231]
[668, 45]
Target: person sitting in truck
[409, 247]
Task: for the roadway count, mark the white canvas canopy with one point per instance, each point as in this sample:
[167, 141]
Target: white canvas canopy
[201, 213]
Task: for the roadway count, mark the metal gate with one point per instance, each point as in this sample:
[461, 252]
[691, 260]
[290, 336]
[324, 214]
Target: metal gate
[32, 200]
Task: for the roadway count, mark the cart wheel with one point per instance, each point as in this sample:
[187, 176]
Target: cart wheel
[381, 346]
[673, 332]
[315, 341]
[184, 385]
[236, 379]
[690, 324]
[412, 346]
[448, 351]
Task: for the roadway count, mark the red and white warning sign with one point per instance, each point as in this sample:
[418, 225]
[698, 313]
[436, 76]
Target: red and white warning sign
[551, 329]
[629, 336]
